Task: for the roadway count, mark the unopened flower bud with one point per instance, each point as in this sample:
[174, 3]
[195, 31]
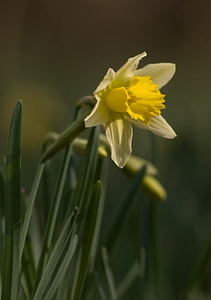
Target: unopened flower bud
[151, 186]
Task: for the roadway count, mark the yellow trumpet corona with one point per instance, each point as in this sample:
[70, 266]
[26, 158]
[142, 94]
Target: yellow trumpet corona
[131, 96]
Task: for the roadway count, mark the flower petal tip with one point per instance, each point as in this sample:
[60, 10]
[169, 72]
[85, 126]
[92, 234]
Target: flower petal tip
[173, 135]
[173, 68]
[120, 164]
[120, 161]
[168, 134]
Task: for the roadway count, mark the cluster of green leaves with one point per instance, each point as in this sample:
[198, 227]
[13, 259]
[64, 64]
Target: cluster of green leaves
[62, 265]
[61, 254]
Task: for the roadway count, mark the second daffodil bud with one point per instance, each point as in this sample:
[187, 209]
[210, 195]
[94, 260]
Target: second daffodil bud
[135, 164]
[151, 186]
[79, 147]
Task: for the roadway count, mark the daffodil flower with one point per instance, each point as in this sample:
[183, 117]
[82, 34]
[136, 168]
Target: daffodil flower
[131, 96]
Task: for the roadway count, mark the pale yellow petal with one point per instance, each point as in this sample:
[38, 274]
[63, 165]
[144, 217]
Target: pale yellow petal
[126, 72]
[160, 73]
[119, 134]
[158, 126]
[99, 115]
[106, 80]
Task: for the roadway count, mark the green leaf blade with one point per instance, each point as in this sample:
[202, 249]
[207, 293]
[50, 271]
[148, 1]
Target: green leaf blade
[58, 262]
[124, 208]
[30, 205]
[87, 243]
[13, 207]
[2, 213]
[109, 275]
[87, 172]
[51, 221]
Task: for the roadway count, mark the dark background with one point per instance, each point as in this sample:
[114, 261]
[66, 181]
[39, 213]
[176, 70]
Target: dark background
[54, 52]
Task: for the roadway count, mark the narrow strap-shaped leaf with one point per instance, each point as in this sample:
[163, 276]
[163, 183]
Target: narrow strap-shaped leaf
[2, 194]
[30, 205]
[125, 205]
[27, 270]
[60, 273]
[28, 261]
[87, 243]
[62, 290]
[200, 269]
[2, 212]
[56, 260]
[13, 208]
[87, 172]
[128, 280]
[100, 288]
[53, 214]
[109, 275]
[154, 267]
[95, 255]
[104, 179]
[93, 288]
[137, 269]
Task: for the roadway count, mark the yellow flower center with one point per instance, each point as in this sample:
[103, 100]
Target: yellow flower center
[141, 99]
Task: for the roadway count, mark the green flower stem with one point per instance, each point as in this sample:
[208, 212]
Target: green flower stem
[67, 136]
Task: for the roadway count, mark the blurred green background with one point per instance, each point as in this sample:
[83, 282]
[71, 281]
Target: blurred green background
[54, 52]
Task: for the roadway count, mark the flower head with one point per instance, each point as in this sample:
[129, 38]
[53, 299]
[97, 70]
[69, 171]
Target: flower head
[128, 96]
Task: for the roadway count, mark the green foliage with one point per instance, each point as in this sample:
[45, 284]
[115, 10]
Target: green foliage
[68, 253]
[12, 208]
